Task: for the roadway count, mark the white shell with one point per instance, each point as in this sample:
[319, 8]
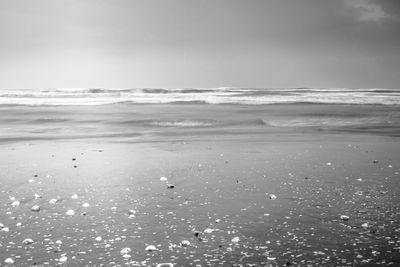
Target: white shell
[125, 251]
[9, 261]
[70, 212]
[185, 243]
[15, 204]
[151, 248]
[27, 241]
[35, 208]
[163, 179]
[236, 239]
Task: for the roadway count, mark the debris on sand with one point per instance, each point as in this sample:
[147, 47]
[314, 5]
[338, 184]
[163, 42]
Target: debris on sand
[86, 205]
[63, 259]
[163, 179]
[15, 204]
[151, 248]
[9, 261]
[70, 212]
[185, 243]
[272, 196]
[74, 196]
[170, 186]
[125, 251]
[35, 208]
[167, 264]
[344, 217]
[235, 240]
[27, 241]
[98, 239]
[53, 201]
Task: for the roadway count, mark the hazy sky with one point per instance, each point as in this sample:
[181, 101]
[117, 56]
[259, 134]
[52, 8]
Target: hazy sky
[199, 43]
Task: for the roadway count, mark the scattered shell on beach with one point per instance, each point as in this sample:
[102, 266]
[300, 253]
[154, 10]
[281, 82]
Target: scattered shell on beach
[344, 217]
[151, 248]
[63, 259]
[125, 251]
[35, 208]
[163, 179]
[53, 201]
[37, 196]
[98, 239]
[15, 204]
[365, 225]
[27, 241]
[74, 196]
[236, 239]
[86, 205]
[31, 180]
[208, 230]
[185, 243]
[70, 212]
[167, 264]
[9, 261]
[5, 229]
[272, 196]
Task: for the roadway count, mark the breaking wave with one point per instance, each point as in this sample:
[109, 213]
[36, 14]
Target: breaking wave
[225, 95]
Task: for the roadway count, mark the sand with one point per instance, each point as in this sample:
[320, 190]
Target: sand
[221, 201]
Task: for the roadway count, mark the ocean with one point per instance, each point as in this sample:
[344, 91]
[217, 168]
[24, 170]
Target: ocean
[171, 114]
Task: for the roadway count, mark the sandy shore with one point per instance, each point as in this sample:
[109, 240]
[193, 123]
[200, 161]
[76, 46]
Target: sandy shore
[223, 202]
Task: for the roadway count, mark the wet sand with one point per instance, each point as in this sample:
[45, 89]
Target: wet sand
[223, 201]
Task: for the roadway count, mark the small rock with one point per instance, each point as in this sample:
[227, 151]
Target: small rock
[126, 256]
[151, 248]
[27, 241]
[98, 239]
[163, 179]
[185, 243]
[86, 205]
[53, 201]
[63, 259]
[9, 261]
[170, 186]
[5, 229]
[35, 208]
[37, 196]
[375, 161]
[70, 212]
[74, 196]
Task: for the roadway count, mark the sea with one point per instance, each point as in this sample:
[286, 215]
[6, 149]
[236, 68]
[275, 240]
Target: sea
[156, 114]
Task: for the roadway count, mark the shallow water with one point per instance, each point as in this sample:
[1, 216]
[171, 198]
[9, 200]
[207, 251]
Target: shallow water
[225, 161]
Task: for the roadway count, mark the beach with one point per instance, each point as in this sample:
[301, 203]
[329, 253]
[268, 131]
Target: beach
[241, 185]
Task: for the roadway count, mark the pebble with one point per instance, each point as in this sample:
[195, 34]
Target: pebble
[37, 196]
[9, 261]
[85, 205]
[170, 186]
[5, 229]
[70, 212]
[27, 241]
[63, 259]
[53, 201]
[74, 196]
[151, 248]
[167, 264]
[163, 179]
[98, 239]
[35, 208]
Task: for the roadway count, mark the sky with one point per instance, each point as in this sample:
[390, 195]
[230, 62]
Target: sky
[199, 43]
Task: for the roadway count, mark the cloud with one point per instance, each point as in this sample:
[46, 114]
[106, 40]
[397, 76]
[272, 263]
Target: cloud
[369, 11]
